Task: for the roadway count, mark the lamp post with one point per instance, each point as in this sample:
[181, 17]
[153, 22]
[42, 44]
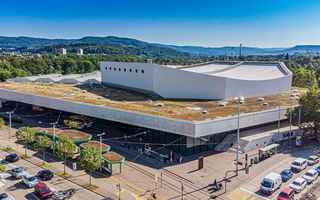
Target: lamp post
[119, 188]
[182, 188]
[54, 136]
[239, 101]
[100, 135]
[10, 124]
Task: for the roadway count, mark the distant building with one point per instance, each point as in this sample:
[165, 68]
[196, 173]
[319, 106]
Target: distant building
[63, 51]
[80, 51]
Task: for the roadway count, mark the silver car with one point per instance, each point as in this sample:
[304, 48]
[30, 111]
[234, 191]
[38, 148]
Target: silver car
[29, 180]
[17, 172]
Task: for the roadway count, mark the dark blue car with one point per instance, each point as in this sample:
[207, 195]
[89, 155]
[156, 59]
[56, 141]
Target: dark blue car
[318, 169]
[286, 175]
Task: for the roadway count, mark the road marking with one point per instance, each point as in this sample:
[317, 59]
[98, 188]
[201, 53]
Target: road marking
[262, 197]
[129, 184]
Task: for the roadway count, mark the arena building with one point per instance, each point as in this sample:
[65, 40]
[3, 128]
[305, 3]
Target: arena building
[196, 125]
[215, 80]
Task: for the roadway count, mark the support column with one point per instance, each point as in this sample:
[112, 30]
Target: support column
[1, 103]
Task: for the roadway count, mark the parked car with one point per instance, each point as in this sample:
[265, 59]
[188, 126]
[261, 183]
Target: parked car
[311, 175]
[12, 157]
[29, 180]
[318, 169]
[286, 194]
[298, 185]
[299, 165]
[286, 175]
[42, 190]
[16, 172]
[4, 196]
[311, 160]
[271, 183]
[45, 174]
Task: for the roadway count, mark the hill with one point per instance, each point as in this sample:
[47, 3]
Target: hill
[110, 43]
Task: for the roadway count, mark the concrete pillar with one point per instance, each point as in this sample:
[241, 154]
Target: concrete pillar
[0, 103]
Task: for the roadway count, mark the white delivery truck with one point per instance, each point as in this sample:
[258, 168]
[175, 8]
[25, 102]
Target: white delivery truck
[271, 183]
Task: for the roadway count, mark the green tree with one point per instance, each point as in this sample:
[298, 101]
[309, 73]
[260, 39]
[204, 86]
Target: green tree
[2, 168]
[65, 149]
[1, 123]
[43, 142]
[303, 77]
[90, 160]
[309, 112]
[85, 66]
[25, 135]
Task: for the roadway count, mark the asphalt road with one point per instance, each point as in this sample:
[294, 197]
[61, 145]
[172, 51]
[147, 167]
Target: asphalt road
[18, 190]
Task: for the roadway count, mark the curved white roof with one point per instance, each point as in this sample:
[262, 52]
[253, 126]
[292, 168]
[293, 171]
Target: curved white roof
[242, 70]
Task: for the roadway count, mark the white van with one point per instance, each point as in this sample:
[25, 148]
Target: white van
[271, 183]
[299, 164]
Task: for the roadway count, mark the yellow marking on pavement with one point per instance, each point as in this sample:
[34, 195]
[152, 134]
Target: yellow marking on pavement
[129, 184]
[237, 195]
[121, 191]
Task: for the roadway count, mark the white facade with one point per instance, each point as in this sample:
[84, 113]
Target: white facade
[63, 51]
[206, 81]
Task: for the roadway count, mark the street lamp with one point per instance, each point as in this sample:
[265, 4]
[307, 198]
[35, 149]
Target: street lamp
[100, 135]
[10, 125]
[54, 136]
[239, 100]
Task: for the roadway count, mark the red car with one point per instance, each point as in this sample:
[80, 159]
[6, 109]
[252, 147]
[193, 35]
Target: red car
[43, 190]
[286, 194]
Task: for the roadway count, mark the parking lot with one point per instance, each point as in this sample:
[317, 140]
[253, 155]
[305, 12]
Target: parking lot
[16, 189]
[250, 189]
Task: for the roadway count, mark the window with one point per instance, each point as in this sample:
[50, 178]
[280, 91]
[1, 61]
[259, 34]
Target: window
[119, 69]
[125, 69]
[106, 68]
[110, 68]
[142, 71]
[136, 71]
[114, 69]
[130, 70]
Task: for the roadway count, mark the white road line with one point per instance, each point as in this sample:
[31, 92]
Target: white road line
[262, 197]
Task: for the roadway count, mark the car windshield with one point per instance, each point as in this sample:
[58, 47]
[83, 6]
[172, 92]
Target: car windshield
[311, 158]
[32, 178]
[284, 172]
[296, 164]
[13, 155]
[44, 189]
[17, 170]
[266, 184]
[46, 172]
[309, 174]
[283, 194]
[296, 183]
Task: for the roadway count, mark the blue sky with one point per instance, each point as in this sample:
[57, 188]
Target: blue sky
[263, 23]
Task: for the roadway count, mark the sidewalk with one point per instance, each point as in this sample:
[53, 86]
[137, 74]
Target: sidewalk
[106, 189]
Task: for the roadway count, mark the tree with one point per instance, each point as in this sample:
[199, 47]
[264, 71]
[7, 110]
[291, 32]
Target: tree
[85, 66]
[309, 112]
[42, 143]
[90, 160]
[25, 135]
[2, 168]
[1, 123]
[65, 149]
[303, 77]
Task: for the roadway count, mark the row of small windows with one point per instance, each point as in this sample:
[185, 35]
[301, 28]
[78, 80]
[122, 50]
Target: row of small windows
[124, 69]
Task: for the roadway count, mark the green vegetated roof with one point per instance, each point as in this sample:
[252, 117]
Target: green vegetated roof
[75, 135]
[112, 157]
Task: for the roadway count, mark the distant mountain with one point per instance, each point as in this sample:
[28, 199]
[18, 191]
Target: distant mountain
[127, 43]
